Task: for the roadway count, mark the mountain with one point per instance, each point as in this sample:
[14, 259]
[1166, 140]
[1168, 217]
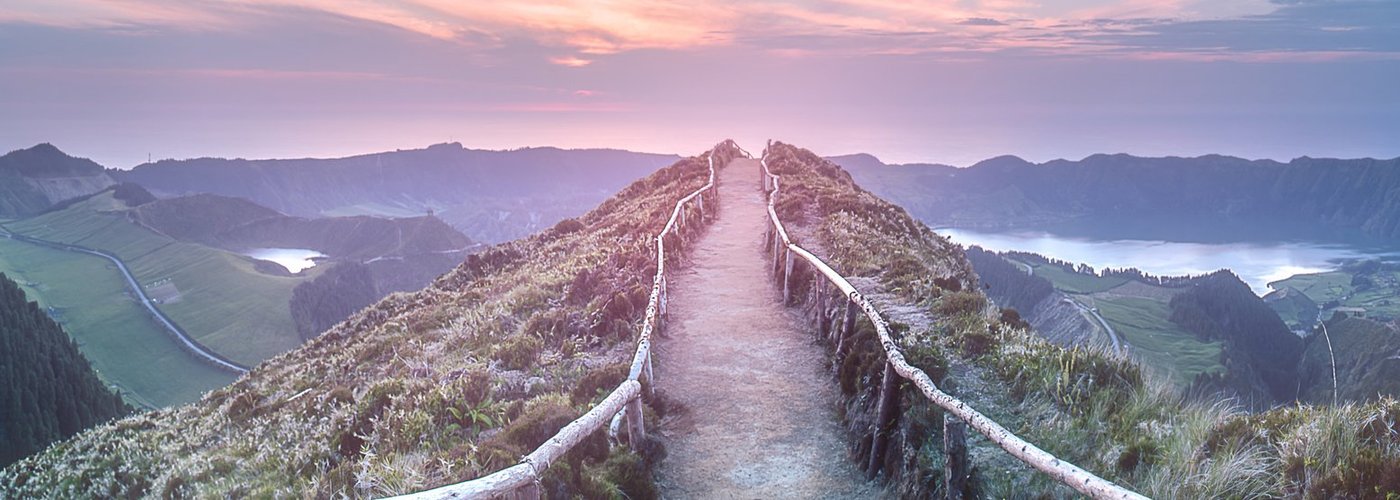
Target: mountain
[1207, 193]
[491, 196]
[48, 391]
[418, 390]
[34, 179]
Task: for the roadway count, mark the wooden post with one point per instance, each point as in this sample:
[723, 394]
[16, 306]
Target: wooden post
[787, 277]
[700, 203]
[955, 471]
[848, 328]
[636, 427]
[884, 421]
[651, 377]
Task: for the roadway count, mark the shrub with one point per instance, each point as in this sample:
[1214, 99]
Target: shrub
[519, 352]
[960, 303]
[541, 418]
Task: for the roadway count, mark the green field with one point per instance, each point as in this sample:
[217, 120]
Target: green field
[224, 302]
[1073, 282]
[1320, 287]
[126, 346]
[1157, 341]
[1381, 299]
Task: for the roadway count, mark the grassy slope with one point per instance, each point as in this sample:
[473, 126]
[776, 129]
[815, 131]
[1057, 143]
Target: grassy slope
[1099, 413]
[225, 304]
[401, 396]
[1144, 323]
[1158, 342]
[127, 347]
[1380, 300]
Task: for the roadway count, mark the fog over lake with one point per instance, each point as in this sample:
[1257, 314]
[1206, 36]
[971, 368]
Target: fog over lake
[1257, 263]
[294, 259]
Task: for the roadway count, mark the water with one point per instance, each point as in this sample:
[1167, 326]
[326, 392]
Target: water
[294, 259]
[1258, 263]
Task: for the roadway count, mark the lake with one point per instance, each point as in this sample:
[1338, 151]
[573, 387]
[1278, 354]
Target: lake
[294, 259]
[1257, 263]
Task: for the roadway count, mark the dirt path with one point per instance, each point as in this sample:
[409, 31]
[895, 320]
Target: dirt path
[759, 419]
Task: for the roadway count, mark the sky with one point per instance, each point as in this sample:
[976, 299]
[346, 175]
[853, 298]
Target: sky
[945, 81]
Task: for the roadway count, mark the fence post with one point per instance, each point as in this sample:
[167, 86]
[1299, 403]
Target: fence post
[636, 427]
[884, 421]
[955, 472]
[848, 327]
[651, 376]
[787, 277]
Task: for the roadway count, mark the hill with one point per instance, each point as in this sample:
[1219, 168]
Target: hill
[238, 225]
[492, 196]
[49, 391]
[421, 389]
[34, 179]
[1212, 194]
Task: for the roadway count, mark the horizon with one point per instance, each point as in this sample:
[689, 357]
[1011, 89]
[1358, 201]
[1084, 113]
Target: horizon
[876, 156]
[942, 81]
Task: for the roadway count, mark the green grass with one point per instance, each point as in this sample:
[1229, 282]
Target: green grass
[1157, 341]
[127, 347]
[225, 303]
[1074, 282]
[1321, 287]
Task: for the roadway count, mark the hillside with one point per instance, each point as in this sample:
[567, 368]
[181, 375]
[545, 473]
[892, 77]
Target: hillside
[419, 390]
[49, 391]
[237, 225]
[34, 179]
[1208, 195]
[1367, 354]
[1096, 411]
[491, 196]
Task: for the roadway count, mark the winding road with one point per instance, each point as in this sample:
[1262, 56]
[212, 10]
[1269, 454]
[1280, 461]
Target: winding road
[190, 343]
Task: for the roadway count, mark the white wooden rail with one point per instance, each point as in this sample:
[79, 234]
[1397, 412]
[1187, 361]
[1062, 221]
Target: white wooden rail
[1081, 480]
[523, 479]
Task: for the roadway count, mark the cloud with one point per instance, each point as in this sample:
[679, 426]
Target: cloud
[579, 32]
[981, 21]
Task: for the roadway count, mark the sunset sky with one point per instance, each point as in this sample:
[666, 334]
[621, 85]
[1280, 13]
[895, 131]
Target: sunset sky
[951, 81]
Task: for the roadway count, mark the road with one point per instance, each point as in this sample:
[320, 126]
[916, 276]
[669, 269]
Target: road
[190, 343]
[1112, 335]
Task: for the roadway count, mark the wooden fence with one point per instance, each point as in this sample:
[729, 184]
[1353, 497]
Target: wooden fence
[785, 252]
[623, 403]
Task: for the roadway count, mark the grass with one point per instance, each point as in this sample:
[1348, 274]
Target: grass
[1091, 408]
[225, 303]
[1320, 287]
[406, 395]
[1075, 282]
[1157, 341]
[127, 347]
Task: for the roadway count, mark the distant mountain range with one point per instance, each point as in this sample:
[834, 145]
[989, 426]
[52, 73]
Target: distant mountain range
[491, 196]
[1204, 193]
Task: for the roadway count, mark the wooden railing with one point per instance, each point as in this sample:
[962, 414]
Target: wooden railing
[623, 403]
[784, 253]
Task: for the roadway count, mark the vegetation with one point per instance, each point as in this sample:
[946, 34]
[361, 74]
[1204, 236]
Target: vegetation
[34, 179]
[328, 299]
[1091, 408]
[219, 298]
[1221, 307]
[129, 349]
[406, 394]
[50, 391]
